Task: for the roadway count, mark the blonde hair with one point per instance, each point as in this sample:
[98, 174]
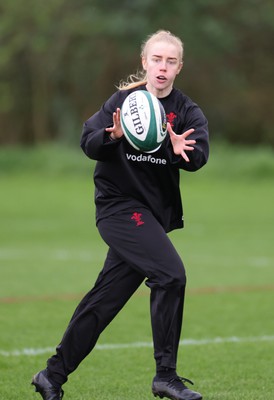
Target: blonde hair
[140, 78]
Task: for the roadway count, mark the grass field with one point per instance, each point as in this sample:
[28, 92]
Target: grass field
[51, 253]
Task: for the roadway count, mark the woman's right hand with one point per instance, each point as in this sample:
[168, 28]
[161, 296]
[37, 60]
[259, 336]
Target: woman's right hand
[116, 131]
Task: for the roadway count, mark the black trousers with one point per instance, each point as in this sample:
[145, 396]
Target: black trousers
[139, 249]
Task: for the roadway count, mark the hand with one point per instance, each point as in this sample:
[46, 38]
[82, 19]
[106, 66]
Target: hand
[179, 142]
[116, 131]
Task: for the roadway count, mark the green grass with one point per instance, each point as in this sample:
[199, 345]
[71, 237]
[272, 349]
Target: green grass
[51, 253]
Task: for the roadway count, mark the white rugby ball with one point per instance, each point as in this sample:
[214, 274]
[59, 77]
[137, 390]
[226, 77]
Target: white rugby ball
[143, 121]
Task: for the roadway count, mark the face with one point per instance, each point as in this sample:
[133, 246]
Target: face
[162, 64]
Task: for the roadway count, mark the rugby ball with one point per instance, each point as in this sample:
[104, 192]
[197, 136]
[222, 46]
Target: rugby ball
[143, 121]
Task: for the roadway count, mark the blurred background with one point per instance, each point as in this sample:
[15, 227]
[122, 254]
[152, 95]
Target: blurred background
[60, 59]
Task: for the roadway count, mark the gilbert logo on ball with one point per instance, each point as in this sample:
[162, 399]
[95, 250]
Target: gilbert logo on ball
[143, 120]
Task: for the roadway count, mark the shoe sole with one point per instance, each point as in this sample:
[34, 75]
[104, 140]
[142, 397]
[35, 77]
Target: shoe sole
[34, 384]
[162, 395]
[156, 394]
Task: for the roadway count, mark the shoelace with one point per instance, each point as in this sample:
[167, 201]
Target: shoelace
[180, 380]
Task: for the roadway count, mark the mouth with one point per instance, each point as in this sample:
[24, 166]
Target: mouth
[161, 78]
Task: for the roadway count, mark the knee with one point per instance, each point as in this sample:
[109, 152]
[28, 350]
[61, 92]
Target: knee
[173, 276]
[178, 276]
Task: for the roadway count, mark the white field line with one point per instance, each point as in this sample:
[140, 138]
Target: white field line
[135, 345]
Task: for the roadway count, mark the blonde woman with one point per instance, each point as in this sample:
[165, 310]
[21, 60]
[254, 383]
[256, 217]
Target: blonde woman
[137, 203]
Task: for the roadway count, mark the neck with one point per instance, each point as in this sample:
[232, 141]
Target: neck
[160, 93]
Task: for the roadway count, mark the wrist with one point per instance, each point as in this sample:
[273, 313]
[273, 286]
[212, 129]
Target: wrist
[112, 137]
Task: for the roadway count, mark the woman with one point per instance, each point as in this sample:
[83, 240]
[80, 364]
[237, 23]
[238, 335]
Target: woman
[137, 204]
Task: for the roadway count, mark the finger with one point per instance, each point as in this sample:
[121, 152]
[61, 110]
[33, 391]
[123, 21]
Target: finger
[185, 157]
[187, 142]
[109, 129]
[188, 132]
[117, 114]
[170, 130]
[117, 119]
[118, 122]
[189, 148]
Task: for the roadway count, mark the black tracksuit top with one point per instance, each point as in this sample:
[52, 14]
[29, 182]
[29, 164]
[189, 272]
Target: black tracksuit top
[126, 178]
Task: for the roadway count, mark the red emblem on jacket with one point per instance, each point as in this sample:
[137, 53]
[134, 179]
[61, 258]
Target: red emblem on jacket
[170, 118]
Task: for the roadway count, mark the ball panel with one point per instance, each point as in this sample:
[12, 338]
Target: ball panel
[128, 135]
[136, 115]
[160, 119]
[143, 121]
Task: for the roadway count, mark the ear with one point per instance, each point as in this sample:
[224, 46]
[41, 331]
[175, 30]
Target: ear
[144, 63]
[180, 67]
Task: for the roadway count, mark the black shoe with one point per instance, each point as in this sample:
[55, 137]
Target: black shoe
[45, 388]
[174, 389]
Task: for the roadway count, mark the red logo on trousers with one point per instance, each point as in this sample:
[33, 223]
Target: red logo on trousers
[137, 217]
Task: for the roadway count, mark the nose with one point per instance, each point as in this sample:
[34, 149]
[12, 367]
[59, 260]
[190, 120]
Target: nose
[163, 65]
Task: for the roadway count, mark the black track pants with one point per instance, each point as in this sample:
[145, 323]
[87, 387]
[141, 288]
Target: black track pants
[139, 249]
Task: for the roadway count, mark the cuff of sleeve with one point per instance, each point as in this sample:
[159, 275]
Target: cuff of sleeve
[109, 139]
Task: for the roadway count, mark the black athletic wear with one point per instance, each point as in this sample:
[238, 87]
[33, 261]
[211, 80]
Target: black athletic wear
[45, 387]
[138, 248]
[124, 177]
[174, 388]
[137, 201]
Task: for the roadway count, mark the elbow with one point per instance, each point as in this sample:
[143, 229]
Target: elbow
[197, 159]
[87, 149]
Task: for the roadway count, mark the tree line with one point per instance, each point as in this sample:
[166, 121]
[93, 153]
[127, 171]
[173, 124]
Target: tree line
[60, 60]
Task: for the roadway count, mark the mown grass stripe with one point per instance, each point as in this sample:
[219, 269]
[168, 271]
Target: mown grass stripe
[136, 345]
[139, 292]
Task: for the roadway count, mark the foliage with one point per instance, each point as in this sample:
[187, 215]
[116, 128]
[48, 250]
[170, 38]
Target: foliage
[60, 59]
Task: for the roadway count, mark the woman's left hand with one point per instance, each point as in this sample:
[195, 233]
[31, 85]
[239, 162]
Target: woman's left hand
[180, 143]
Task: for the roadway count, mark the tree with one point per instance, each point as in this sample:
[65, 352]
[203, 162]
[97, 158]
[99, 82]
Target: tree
[60, 59]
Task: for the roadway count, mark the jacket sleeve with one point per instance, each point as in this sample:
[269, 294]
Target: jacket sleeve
[95, 141]
[194, 118]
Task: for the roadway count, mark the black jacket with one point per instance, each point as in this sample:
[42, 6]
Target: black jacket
[126, 178]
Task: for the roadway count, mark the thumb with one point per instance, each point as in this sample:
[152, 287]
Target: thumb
[170, 130]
